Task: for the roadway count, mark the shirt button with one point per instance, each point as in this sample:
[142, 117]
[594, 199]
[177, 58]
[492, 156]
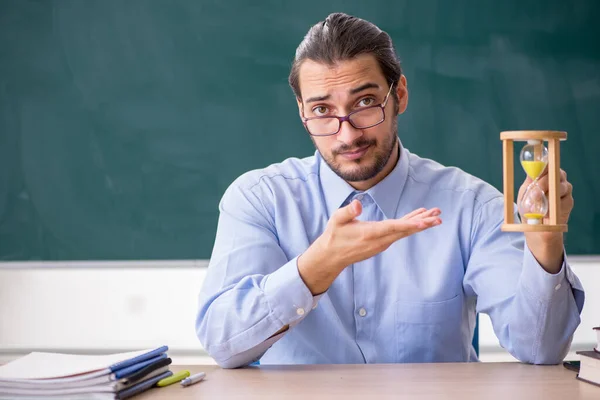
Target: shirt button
[300, 311]
[362, 312]
[557, 286]
[360, 197]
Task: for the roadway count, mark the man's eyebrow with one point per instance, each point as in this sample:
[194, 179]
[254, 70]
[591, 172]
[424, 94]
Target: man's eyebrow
[317, 98]
[369, 85]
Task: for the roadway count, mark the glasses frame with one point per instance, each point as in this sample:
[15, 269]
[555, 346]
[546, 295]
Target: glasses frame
[347, 117]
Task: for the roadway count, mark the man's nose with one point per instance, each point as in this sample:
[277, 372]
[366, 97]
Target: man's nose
[348, 134]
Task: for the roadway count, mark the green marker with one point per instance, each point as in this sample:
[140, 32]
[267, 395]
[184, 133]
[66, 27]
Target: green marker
[173, 378]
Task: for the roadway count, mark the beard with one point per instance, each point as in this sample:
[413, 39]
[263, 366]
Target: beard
[363, 168]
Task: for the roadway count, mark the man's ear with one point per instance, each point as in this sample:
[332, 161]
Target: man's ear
[299, 102]
[402, 94]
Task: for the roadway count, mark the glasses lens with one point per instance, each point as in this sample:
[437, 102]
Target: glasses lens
[323, 126]
[367, 117]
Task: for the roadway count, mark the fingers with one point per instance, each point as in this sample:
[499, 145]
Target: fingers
[428, 222]
[403, 227]
[420, 218]
[434, 212]
[421, 213]
[348, 213]
[563, 175]
[564, 187]
[544, 176]
[412, 228]
[377, 236]
[415, 212]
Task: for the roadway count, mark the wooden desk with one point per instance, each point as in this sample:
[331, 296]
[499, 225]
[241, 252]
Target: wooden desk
[506, 381]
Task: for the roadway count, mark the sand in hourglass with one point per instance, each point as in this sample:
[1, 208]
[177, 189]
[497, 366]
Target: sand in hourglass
[533, 170]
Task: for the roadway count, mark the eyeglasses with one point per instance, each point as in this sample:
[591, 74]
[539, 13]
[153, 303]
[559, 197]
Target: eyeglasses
[364, 118]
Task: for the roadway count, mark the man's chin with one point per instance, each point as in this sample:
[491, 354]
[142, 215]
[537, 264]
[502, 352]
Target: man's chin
[355, 171]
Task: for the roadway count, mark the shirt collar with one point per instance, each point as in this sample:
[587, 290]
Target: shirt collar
[386, 193]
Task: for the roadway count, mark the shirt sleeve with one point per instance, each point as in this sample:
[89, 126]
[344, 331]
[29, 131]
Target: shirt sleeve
[251, 289]
[534, 313]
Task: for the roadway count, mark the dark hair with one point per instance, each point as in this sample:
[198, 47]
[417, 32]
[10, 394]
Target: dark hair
[342, 37]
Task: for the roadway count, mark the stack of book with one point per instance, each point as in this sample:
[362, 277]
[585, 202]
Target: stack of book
[67, 376]
[589, 367]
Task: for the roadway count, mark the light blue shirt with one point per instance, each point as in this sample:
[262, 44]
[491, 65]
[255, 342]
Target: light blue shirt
[415, 302]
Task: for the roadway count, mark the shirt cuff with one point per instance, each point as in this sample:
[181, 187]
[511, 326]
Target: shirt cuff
[541, 284]
[253, 355]
[288, 297]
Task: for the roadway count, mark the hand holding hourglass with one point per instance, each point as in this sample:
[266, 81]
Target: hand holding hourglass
[545, 198]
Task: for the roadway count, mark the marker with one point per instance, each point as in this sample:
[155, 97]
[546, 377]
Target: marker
[193, 379]
[174, 378]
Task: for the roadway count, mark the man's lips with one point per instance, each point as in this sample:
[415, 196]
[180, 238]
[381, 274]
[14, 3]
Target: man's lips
[355, 154]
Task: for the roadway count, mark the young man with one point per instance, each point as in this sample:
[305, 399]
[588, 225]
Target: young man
[342, 257]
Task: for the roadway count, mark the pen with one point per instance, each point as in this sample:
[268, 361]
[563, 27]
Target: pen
[193, 379]
[174, 378]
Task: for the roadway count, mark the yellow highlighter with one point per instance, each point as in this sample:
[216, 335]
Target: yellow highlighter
[181, 375]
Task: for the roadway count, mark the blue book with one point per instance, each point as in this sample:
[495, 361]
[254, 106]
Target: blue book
[142, 386]
[133, 369]
[135, 360]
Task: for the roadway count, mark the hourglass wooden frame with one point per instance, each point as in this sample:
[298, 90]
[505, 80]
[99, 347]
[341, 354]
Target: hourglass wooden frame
[553, 138]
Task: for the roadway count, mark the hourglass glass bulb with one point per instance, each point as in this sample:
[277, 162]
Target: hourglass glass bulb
[534, 158]
[534, 205]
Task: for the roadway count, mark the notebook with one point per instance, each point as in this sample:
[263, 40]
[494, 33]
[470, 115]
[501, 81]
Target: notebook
[56, 375]
[125, 376]
[38, 365]
[109, 393]
[589, 370]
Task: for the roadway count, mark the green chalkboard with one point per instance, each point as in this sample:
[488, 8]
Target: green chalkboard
[123, 122]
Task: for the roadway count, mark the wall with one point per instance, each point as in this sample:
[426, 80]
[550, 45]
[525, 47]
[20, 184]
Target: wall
[99, 307]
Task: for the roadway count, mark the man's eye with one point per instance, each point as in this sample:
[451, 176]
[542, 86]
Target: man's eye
[319, 111]
[366, 102]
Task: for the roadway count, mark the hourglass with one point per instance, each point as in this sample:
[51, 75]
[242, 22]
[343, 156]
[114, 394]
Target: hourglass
[534, 157]
[534, 204]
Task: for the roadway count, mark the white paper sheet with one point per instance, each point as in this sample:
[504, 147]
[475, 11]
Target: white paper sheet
[57, 365]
